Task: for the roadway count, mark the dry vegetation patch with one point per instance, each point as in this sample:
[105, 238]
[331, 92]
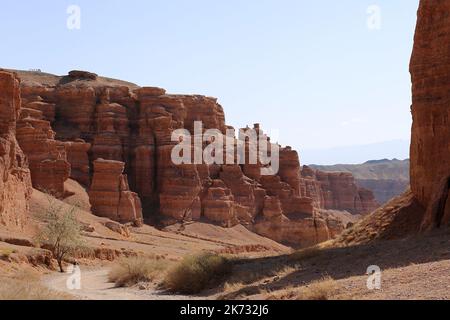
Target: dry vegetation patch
[323, 289]
[26, 285]
[197, 273]
[130, 271]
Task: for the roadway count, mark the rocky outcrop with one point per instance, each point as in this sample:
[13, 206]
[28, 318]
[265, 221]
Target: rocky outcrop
[296, 230]
[337, 191]
[15, 181]
[219, 204]
[430, 71]
[47, 157]
[110, 195]
[78, 157]
[131, 128]
[385, 178]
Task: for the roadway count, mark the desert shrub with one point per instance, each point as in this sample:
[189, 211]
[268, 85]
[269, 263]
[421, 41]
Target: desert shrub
[196, 273]
[130, 271]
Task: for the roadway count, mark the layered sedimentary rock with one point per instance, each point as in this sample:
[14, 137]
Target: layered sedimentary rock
[77, 156]
[15, 181]
[337, 191]
[385, 178]
[131, 128]
[219, 205]
[110, 195]
[297, 230]
[47, 157]
[430, 71]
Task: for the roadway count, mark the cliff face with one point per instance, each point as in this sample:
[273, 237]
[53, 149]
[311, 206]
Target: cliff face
[385, 178]
[430, 71]
[110, 195]
[337, 191]
[15, 182]
[115, 138]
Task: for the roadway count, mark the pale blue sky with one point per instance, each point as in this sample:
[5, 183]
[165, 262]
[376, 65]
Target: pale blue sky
[311, 69]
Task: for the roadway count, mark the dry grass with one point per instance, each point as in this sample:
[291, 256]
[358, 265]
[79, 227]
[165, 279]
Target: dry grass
[130, 271]
[197, 273]
[26, 285]
[305, 254]
[5, 253]
[323, 289]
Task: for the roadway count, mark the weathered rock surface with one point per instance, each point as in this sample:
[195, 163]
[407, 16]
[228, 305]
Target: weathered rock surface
[430, 71]
[15, 181]
[337, 191]
[110, 195]
[47, 157]
[82, 118]
[385, 178]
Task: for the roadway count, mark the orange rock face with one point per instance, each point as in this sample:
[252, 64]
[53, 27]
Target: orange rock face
[430, 70]
[337, 191]
[110, 195]
[131, 128]
[47, 156]
[15, 181]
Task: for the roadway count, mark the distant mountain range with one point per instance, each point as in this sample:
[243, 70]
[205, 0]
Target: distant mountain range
[398, 149]
[386, 178]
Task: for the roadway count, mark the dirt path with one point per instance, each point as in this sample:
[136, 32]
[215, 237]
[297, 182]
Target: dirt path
[95, 286]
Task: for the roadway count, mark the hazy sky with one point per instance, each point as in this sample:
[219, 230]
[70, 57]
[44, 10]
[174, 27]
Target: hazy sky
[313, 70]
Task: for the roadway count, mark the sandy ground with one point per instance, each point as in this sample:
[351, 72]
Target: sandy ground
[412, 268]
[416, 268]
[95, 286]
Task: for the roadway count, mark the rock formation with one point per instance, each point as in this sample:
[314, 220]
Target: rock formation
[47, 156]
[385, 178]
[82, 118]
[337, 191]
[430, 71]
[15, 181]
[110, 195]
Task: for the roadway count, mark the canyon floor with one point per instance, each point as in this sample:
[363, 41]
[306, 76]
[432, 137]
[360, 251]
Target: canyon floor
[413, 268]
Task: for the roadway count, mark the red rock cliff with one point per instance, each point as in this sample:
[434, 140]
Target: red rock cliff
[15, 182]
[86, 118]
[337, 191]
[430, 71]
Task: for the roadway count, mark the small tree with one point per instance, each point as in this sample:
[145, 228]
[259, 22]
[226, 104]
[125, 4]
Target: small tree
[62, 232]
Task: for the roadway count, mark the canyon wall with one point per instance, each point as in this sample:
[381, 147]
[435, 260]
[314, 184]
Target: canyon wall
[15, 181]
[337, 191]
[115, 139]
[385, 178]
[430, 71]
